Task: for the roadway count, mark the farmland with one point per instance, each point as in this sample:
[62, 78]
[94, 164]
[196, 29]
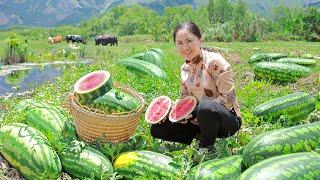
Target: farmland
[250, 91]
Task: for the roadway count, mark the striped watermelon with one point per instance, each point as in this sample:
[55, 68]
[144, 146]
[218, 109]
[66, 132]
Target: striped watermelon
[92, 85]
[304, 165]
[282, 72]
[158, 109]
[260, 57]
[159, 51]
[50, 121]
[29, 151]
[295, 106]
[154, 58]
[318, 102]
[138, 163]
[300, 138]
[224, 168]
[138, 56]
[31, 103]
[82, 161]
[300, 61]
[116, 101]
[144, 67]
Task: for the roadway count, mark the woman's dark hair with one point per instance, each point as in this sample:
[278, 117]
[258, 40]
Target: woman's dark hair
[190, 26]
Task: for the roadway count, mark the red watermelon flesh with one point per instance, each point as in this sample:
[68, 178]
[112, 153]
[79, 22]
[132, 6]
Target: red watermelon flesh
[92, 81]
[92, 85]
[158, 109]
[183, 108]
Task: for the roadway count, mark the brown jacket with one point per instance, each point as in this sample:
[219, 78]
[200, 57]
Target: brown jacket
[209, 76]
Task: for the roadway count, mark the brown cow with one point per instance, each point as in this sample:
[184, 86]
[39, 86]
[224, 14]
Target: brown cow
[54, 40]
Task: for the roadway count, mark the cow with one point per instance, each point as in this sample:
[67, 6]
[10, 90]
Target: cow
[75, 38]
[55, 39]
[105, 40]
[50, 40]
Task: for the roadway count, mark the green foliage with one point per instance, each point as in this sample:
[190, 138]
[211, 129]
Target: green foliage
[219, 11]
[16, 51]
[298, 23]
[220, 20]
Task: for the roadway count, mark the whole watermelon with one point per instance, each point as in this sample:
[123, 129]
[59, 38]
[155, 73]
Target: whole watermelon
[29, 151]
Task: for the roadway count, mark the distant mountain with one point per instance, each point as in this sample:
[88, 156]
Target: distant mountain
[55, 12]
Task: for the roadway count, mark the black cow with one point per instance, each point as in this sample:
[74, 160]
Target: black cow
[75, 38]
[105, 40]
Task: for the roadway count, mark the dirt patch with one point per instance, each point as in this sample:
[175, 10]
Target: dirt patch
[7, 172]
[308, 84]
[232, 58]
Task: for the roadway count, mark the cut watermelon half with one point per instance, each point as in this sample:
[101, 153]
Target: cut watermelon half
[158, 109]
[182, 108]
[92, 85]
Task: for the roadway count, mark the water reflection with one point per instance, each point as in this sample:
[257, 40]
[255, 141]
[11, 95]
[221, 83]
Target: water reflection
[27, 77]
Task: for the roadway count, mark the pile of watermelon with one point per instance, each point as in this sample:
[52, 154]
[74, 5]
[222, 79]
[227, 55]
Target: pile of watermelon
[95, 90]
[45, 143]
[150, 63]
[160, 107]
[280, 68]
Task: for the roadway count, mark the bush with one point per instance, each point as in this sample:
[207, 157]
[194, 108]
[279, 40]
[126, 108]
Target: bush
[220, 32]
[17, 49]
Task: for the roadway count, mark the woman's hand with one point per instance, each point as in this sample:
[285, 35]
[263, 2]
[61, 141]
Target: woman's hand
[189, 118]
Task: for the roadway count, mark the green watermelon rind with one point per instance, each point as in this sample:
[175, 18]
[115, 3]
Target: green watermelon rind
[53, 124]
[144, 67]
[29, 151]
[154, 58]
[159, 51]
[138, 56]
[111, 103]
[282, 72]
[136, 163]
[304, 165]
[294, 106]
[300, 61]
[299, 138]
[224, 168]
[85, 163]
[86, 97]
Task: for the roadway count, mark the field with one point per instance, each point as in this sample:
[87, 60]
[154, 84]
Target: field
[250, 91]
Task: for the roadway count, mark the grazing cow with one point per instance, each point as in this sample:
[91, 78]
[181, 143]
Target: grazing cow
[55, 39]
[75, 38]
[105, 40]
[50, 40]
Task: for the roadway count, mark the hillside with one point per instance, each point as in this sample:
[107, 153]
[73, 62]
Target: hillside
[55, 12]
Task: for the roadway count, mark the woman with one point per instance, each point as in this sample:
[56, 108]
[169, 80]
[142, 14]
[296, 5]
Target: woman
[207, 76]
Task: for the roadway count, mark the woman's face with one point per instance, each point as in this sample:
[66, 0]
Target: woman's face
[188, 44]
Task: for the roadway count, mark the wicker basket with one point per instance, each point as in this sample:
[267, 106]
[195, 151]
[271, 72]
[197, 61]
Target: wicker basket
[92, 124]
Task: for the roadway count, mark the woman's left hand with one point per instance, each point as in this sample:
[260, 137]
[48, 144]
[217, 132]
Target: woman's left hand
[189, 118]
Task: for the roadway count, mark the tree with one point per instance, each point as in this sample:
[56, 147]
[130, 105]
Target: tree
[220, 11]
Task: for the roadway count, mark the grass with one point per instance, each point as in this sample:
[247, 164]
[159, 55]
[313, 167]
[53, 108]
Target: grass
[250, 92]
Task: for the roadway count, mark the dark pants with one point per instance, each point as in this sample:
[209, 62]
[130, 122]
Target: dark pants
[215, 121]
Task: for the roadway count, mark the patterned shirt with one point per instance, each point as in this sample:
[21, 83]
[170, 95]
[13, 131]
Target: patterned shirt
[209, 76]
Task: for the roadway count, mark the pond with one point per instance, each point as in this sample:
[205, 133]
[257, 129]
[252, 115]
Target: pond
[23, 78]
